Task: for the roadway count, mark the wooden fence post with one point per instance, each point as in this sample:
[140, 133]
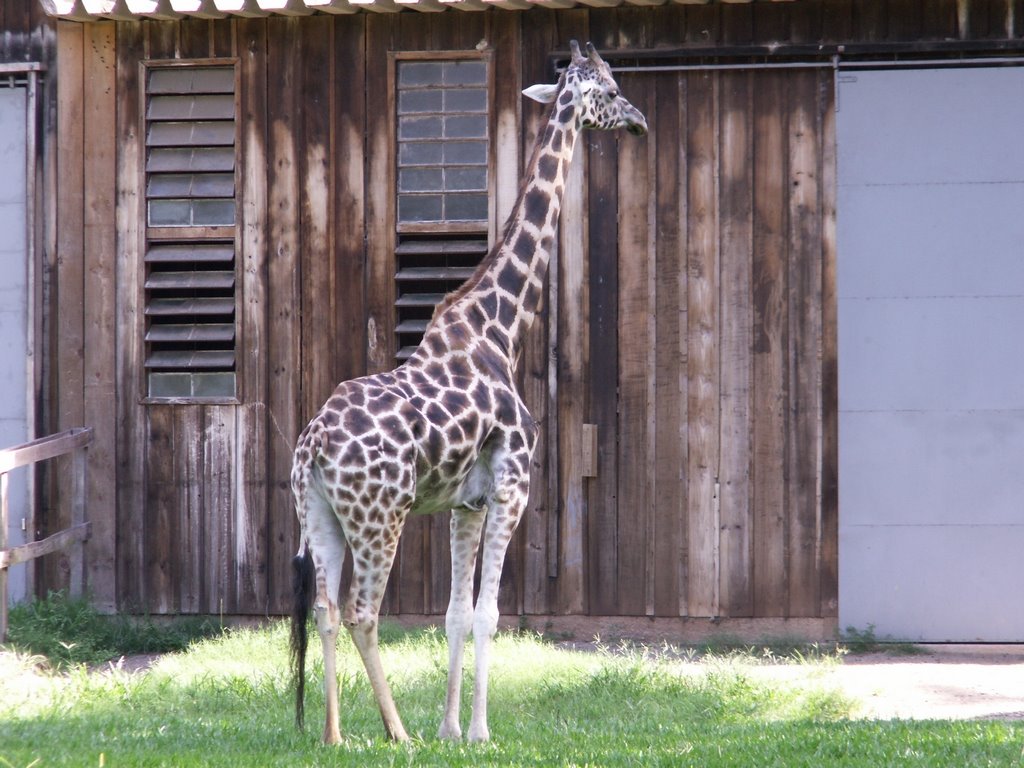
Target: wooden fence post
[75, 442]
[76, 554]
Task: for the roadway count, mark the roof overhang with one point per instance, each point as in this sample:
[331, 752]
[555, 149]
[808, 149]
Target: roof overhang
[137, 10]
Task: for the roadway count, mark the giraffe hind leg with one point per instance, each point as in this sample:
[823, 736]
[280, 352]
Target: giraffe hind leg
[326, 547]
[370, 571]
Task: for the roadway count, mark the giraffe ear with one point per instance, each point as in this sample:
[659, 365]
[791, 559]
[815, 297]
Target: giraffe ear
[542, 92]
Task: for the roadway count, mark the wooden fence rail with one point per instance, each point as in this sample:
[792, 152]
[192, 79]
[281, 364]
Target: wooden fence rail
[73, 441]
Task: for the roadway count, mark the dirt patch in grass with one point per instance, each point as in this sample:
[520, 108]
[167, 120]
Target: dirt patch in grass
[909, 682]
[932, 682]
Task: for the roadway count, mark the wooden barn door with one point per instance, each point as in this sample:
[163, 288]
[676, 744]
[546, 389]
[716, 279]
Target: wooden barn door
[710, 365]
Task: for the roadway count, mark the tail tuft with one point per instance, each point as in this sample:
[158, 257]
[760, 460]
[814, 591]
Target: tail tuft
[302, 583]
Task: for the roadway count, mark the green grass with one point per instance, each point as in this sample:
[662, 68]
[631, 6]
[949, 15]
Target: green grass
[70, 631]
[226, 701]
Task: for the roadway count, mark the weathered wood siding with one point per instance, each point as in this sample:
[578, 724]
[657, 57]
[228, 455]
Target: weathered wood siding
[684, 372]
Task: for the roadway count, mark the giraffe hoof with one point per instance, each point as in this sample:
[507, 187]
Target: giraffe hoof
[479, 735]
[449, 732]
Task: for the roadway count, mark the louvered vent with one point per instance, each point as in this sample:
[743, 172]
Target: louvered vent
[428, 268]
[190, 215]
[443, 168]
[190, 314]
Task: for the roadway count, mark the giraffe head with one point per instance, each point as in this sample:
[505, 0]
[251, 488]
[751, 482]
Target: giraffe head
[592, 93]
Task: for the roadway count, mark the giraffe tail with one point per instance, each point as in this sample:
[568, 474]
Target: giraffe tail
[302, 582]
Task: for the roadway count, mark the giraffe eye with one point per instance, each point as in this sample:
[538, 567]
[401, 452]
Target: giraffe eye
[613, 94]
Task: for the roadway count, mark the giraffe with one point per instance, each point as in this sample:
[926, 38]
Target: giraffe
[447, 430]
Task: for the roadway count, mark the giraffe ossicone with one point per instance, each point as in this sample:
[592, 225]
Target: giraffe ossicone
[447, 430]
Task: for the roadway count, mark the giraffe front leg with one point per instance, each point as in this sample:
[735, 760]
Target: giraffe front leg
[502, 519]
[466, 525]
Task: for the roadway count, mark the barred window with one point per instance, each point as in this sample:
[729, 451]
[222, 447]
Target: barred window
[190, 301]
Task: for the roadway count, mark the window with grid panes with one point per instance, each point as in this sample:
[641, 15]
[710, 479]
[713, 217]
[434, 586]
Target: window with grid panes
[443, 158]
[190, 298]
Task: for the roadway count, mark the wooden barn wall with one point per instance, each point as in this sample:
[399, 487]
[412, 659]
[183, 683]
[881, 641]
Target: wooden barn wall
[689, 337]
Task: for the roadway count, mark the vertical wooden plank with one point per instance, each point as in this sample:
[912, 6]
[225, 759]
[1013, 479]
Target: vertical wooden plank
[636, 365]
[571, 338]
[904, 19]
[69, 371]
[76, 559]
[804, 389]
[314, 136]
[603, 237]
[570, 332]
[805, 21]
[704, 23]
[736, 233]
[939, 22]
[380, 230]
[349, 222]
[131, 420]
[539, 385]
[99, 332]
[40, 43]
[284, 60]
[771, 22]
[195, 38]
[161, 530]
[668, 131]
[246, 550]
[870, 21]
[702, 342]
[509, 56]
[163, 39]
[829, 558]
[769, 344]
[1014, 18]
[837, 22]
[569, 364]
[223, 37]
[314, 147]
[349, 52]
[738, 23]
[218, 445]
[188, 552]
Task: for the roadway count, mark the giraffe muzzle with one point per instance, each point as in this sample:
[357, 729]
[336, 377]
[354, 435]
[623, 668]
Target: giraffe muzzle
[635, 122]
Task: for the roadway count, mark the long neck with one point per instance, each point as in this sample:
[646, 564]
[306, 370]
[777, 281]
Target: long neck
[505, 294]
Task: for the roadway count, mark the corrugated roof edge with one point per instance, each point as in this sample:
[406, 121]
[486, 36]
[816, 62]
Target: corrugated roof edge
[135, 10]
